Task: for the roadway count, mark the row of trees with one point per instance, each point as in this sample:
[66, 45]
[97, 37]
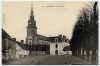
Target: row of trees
[85, 34]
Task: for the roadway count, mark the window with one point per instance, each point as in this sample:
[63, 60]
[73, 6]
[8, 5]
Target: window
[30, 42]
[42, 42]
[56, 46]
[56, 40]
[30, 22]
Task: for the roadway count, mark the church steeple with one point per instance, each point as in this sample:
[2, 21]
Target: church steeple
[31, 29]
[31, 10]
[31, 20]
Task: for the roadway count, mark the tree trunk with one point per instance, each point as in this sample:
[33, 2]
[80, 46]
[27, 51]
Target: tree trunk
[73, 52]
[94, 54]
[88, 50]
[79, 52]
[88, 54]
[83, 52]
[36, 52]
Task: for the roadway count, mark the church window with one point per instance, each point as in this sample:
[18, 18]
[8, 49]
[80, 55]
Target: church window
[28, 33]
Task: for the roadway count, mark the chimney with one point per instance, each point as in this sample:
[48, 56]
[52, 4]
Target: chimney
[22, 41]
[64, 36]
[60, 35]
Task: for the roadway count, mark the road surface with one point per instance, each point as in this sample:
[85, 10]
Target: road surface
[48, 60]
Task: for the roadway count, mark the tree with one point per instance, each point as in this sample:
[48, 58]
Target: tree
[85, 33]
[94, 34]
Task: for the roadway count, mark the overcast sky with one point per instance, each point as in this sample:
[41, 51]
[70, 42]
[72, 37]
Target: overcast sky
[52, 18]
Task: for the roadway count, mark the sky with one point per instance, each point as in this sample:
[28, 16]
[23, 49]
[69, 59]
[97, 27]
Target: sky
[52, 18]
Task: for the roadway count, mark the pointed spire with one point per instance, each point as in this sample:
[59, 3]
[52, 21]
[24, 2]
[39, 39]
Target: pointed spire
[31, 10]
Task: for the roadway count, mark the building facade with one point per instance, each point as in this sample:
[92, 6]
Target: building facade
[8, 46]
[57, 45]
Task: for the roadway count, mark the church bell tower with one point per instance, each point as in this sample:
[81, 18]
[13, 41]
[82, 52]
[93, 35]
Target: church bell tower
[31, 30]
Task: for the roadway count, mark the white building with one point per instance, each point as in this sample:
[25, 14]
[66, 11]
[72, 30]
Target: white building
[57, 45]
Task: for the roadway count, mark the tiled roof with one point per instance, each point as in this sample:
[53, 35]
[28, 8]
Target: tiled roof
[5, 34]
[60, 39]
[41, 37]
[22, 45]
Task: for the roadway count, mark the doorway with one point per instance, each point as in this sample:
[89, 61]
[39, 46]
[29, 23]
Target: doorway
[56, 52]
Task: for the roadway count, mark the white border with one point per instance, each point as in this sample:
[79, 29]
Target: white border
[50, 0]
[36, 0]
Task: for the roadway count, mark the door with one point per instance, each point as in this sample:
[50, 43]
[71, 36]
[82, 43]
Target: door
[56, 52]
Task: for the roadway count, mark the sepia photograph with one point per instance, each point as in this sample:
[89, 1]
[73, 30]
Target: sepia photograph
[50, 33]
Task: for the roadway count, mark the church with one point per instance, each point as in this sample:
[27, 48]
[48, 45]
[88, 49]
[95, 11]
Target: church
[56, 44]
[32, 36]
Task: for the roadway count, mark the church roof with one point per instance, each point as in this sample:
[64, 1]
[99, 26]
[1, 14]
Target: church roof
[41, 37]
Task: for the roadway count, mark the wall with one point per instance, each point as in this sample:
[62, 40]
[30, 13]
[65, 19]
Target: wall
[43, 42]
[60, 47]
[8, 49]
[19, 51]
[52, 48]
